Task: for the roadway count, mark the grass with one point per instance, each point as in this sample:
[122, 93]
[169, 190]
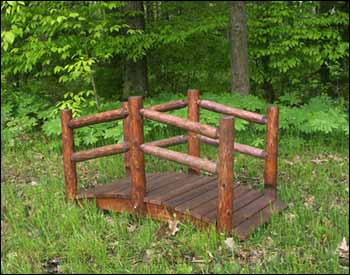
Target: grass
[42, 233]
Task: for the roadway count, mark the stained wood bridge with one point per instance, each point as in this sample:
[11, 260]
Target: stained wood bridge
[203, 199]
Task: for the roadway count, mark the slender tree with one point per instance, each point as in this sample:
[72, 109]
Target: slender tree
[135, 75]
[239, 48]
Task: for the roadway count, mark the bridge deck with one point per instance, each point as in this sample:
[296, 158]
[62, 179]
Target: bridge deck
[188, 196]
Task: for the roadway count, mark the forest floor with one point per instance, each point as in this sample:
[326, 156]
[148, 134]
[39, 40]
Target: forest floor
[41, 233]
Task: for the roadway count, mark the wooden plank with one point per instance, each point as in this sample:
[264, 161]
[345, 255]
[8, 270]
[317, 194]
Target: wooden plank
[167, 182]
[124, 190]
[98, 118]
[204, 198]
[102, 151]
[170, 186]
[223, 109]
[241, 201]
[181, 158]
[114, 204]
[250, 209]
[160, 198]
[100, 189]
[248, 226]
[112, 190]
[209, 206]
[212, 184]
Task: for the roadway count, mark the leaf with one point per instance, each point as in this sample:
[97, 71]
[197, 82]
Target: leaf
[229, 243]
[73, 14]
[172, 225]
[343, 252]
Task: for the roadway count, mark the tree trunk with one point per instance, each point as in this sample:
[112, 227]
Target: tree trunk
[239, 48]
[135, 75]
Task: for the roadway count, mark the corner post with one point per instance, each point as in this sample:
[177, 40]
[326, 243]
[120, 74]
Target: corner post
[225, 174]
[69, 166]
[271, 152]
[137, 161]
[193, 115]
[126, 133]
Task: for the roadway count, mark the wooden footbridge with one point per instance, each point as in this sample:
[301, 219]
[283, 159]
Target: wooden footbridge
[205, 200]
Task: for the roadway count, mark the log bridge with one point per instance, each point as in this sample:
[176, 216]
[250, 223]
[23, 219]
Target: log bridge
[205, 199]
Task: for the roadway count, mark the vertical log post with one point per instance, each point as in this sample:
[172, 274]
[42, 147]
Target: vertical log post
[193, 115]
[70, 173]
[271, 151]
[126, 122]
[137, 162]
[225, 174]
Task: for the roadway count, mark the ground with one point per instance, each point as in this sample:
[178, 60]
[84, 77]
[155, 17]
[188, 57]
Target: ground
[42, 233]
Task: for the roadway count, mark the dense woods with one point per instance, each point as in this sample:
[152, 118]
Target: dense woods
[88, 56]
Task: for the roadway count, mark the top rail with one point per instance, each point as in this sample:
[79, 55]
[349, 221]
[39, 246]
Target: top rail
[122, 113]
[220, 108]
[179, 122]
[98, 118]
[169, 106]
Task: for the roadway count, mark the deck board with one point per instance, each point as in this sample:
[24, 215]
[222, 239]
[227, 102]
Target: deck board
[191, 196]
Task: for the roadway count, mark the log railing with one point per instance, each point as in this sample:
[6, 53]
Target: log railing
[223, 109]
[132, 113]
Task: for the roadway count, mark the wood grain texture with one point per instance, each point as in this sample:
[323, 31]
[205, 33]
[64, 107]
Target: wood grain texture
[225, 175]
[223, 109]
[98, 118]
[271, 151]
[137, 160]
[189, 197]
[169, 106]
[126, 136]
[166, 142]
[69, 166]
[242, 148]
[102, 151]
[193, 115]
[182, 123]
[181, 158]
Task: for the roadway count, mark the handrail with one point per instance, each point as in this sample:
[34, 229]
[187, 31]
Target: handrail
[223, 109]
[98, 152]
[98, 118]
[193, 162]
[179, 122]
[242, 148]
[122, 113]
[169, 106]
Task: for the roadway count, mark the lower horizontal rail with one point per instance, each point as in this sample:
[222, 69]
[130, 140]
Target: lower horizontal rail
[242, 148]
[193, 162]
[169, 141]
[100, 152]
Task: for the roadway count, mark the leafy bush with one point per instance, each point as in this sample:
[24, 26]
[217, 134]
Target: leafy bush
[320, 116]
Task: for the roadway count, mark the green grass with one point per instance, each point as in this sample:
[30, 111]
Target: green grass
[38, 226]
